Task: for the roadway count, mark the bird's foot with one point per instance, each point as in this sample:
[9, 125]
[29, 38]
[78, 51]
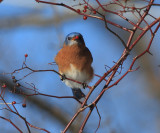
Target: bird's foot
[84, 85]
[63, 77]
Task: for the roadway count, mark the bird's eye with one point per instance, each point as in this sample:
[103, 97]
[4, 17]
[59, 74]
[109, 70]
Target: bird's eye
[69, 38]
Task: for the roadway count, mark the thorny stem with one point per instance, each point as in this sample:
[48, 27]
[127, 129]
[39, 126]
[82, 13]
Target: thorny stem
[11, 123]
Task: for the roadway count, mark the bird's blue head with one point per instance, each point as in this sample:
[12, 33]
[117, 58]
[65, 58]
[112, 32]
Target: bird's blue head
[74, 38]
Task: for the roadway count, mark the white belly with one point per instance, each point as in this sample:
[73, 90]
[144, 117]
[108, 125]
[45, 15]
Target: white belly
[76, 75]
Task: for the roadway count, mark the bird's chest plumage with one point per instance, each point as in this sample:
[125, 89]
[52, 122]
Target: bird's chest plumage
[72, 55]
[75, 74]
[75, 63]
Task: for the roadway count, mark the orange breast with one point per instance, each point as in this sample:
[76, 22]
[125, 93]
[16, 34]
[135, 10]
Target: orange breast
[79, 56]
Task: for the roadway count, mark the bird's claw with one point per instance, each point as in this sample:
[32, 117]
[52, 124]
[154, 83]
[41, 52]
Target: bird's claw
[84, 85]
[63, 77]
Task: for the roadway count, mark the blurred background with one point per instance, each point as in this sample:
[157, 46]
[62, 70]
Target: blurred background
[39, 30]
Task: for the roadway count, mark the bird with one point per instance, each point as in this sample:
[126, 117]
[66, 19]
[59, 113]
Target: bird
[74, 61]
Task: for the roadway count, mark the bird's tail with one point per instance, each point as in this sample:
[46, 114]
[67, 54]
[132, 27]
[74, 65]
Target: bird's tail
[78, 93]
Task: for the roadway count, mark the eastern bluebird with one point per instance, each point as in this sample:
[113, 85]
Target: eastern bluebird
[74, 61]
